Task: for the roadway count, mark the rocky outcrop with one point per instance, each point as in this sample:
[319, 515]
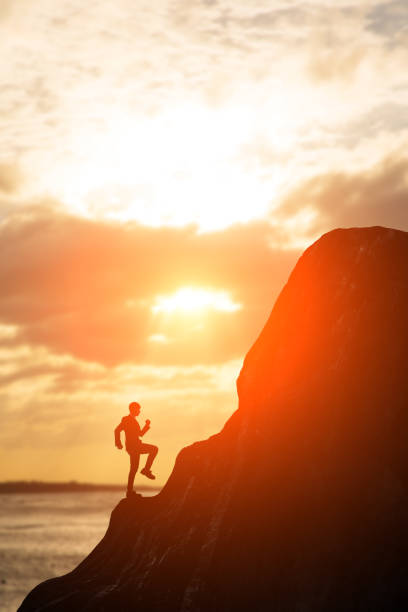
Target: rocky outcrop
[301, 501]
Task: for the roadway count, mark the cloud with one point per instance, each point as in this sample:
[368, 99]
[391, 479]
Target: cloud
[103, 61]
[86, 110]
[10, 178]
[377, 196]
[5, 8]
[87, 288]
[388, 19]
[58, 376]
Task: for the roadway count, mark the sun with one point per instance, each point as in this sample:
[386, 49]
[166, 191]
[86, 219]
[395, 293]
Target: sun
[194, 300]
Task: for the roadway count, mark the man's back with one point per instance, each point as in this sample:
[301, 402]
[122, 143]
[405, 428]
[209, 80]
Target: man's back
[132, 432]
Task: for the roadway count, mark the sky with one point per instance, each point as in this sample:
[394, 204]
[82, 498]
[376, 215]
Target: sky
[162, 167]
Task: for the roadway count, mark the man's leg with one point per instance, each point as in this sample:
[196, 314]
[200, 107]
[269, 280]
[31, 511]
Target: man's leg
[134, 465]
[151, 451]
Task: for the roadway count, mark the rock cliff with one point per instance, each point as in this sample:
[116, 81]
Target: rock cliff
[301, 501]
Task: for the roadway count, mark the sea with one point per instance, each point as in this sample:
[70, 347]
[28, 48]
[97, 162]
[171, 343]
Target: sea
[43, 535]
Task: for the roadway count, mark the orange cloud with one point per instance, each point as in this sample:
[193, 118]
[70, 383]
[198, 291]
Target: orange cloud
[10, 178]
[86, 288]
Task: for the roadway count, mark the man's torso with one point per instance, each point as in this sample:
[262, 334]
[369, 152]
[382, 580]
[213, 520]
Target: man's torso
[132, 432]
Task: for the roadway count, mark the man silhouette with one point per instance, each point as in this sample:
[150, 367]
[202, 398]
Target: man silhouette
[134, 446]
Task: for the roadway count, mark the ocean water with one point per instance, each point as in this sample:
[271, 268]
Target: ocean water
[43, 535]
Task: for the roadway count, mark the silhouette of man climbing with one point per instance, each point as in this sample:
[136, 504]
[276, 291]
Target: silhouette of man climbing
[134, 446]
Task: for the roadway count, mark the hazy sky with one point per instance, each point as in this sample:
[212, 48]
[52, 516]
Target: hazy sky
[162, 166]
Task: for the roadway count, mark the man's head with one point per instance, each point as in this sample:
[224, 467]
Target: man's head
[134, 408]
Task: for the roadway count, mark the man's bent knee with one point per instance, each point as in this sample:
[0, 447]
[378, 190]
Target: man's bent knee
[151, 449]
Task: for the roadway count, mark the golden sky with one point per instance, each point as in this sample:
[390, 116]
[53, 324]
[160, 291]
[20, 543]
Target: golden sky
[162, 165]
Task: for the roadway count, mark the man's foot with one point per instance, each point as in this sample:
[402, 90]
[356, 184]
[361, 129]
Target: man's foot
[148, 474]
[132, 494]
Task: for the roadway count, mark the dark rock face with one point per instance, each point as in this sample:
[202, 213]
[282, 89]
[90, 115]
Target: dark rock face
[301, 502]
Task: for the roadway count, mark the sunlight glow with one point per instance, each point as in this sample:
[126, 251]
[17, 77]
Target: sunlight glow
[187, 165]
[159, 338]
[190, 299]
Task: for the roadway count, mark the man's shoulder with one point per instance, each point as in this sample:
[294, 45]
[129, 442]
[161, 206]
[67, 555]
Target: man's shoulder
[126, 419]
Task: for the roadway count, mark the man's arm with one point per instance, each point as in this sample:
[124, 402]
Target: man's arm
[145, 428]
[119, 428]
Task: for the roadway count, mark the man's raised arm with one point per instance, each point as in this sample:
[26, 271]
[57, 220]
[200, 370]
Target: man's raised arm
[145, 428]
[118, 442]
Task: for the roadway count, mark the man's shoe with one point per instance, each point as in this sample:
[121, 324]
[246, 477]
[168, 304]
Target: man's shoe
[132, 494]
[148, 474]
